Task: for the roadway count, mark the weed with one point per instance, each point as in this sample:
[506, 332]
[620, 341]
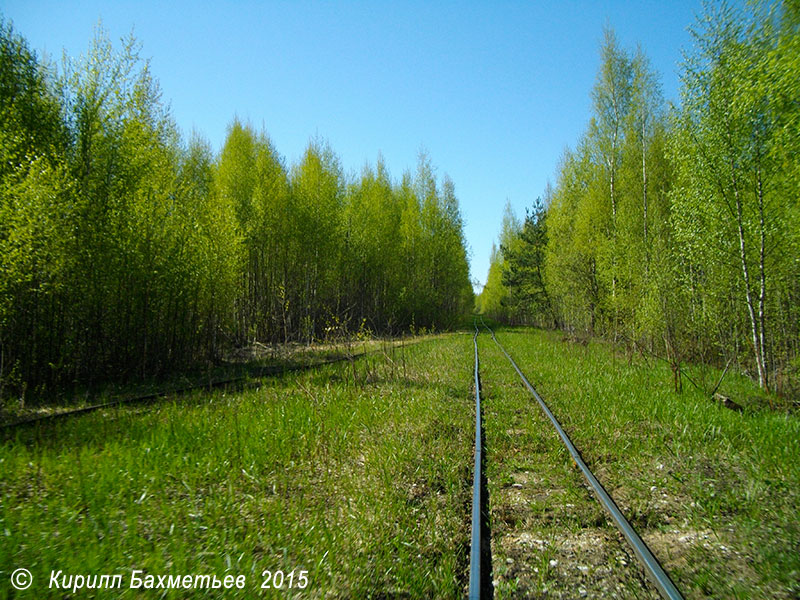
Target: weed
[361, 482]
[677, 464]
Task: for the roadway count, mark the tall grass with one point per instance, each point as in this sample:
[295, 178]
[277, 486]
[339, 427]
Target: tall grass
[717, 490]
[357, 473]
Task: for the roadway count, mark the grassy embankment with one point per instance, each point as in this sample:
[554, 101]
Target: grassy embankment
[239, 369]
[359, 473]
[712, 491]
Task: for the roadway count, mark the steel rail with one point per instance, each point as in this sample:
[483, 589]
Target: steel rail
[148, 398]
[475, 549]
[655, 572]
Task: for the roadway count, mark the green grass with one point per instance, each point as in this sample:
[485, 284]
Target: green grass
[549, 534]
[361, 473]
[242, 366]
[358, 473]
[714, 492]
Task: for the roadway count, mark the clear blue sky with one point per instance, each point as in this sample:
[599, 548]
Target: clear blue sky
[494, 91]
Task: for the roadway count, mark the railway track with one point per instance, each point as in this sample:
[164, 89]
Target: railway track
[479, 556]
[478, 584]
[239, 383]
[480, 578]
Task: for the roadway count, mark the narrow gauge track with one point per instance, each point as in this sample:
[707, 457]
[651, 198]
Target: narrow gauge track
[243, 383]
[655, 572]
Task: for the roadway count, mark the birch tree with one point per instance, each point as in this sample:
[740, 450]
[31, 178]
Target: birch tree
[729, 213]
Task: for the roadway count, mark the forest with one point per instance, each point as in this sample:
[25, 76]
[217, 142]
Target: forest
[206, 377]
[128, 251]
[675, 229]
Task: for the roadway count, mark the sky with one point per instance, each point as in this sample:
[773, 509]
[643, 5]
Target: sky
[493, 91]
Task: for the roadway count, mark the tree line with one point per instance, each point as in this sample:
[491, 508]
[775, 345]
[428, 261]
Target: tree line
[127, 250]
[676, 229]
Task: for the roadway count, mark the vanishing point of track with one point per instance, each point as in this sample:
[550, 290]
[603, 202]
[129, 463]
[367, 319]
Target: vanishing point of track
[655, 572]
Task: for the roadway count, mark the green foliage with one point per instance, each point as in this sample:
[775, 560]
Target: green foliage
[34, 211]
[528, 299]
[490, 300]
[677, 232]
[576, 231]
[318, 193]
[732, 203]
[126, 251]
[373, 247]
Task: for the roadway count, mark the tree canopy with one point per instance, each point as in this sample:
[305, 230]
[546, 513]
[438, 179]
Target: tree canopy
[127, 250]
[675, 229]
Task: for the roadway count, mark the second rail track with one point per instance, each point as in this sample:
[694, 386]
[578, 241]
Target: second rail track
[243, 382]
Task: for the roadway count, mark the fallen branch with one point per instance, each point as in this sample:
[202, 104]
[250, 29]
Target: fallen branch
[728, 403]
[721, 377]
